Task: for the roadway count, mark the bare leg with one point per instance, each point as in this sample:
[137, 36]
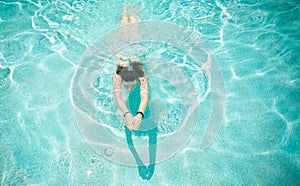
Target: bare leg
[134, 14]
[125, 16]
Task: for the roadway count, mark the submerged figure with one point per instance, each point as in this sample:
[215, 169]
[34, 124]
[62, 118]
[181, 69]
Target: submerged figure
[130, 73]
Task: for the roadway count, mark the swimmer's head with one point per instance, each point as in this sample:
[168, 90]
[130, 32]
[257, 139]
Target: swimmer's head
[131, 72]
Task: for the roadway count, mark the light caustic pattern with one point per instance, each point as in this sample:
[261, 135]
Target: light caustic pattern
[181, 73]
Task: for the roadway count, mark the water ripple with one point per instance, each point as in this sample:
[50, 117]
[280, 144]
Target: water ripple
[4, 79]
[271, 42]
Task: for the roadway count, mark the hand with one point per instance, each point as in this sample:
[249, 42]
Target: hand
[137, 121]
[129, 121]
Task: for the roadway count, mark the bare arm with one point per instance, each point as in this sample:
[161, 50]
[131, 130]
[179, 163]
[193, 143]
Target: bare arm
[143, 104]
[117, 80]
[144, 94]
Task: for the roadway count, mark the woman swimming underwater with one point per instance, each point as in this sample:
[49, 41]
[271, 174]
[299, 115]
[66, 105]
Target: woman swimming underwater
[129, 72]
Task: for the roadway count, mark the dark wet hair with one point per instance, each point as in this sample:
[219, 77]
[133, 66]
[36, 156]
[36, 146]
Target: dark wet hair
[132, 72]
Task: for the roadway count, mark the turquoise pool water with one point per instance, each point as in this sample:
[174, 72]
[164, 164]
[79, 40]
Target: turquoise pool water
[254, 43]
